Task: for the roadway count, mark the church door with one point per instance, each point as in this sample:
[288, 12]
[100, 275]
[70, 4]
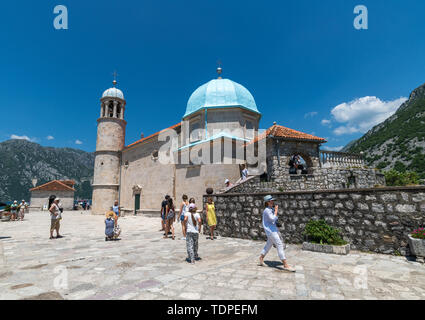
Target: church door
[136, 202]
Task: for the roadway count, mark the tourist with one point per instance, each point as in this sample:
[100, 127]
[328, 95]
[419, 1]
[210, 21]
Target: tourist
[22, 210]
[14, 210]
[183, 209]
[55, 216]
[193, 222]
[170, 218]
[269, 225]
[244, 172]
[211, 217]
[114, 215]
[227, 183]
[109, 226]
[116, 209]
[192, 200]
[163, 208]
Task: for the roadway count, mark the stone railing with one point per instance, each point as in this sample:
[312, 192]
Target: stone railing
[332, 159]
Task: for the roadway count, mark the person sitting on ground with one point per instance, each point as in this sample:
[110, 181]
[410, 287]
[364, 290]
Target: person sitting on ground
[109, 226]
[114, 216]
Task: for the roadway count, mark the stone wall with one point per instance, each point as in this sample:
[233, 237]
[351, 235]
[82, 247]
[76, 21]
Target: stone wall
[39, 198]
[377, 220]
[321, 179]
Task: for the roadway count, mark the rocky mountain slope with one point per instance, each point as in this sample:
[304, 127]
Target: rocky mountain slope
[399, 141]
[21, 161]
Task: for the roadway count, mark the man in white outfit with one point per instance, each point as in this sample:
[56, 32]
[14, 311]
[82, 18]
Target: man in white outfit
[269, 225]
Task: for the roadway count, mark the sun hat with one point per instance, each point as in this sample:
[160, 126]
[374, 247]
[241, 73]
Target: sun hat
[57, 199]
[268, 198]
[226, 181]
[15, 201]
[192, 206]
[110, 214]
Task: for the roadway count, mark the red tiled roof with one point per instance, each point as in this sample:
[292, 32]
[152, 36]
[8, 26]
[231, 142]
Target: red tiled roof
[153, 135]
[56, 185]
[286, 133]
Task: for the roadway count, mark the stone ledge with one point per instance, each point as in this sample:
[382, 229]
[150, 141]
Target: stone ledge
[377, 189]
[325, 248]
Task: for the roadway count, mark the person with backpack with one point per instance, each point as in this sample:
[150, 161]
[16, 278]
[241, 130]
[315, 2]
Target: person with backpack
[193, 222]
[273, 238]
[170, 217]
[163, 209]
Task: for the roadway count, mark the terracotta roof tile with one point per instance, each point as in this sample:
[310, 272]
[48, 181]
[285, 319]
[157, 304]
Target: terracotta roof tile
[287, 133]
[55, 185]
[153, 135]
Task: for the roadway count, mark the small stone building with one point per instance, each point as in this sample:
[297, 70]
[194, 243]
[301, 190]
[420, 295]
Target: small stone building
[63, 189]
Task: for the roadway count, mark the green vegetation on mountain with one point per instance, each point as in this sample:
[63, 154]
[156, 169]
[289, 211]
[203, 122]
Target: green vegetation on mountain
[22, 161]
[397, 143]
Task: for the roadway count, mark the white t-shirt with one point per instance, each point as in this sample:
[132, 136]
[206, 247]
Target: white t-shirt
[189, 226]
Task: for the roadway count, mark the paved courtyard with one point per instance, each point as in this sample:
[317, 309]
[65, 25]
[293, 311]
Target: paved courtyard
[142, 265]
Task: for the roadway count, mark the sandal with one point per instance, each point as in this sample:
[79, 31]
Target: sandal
[289, 269]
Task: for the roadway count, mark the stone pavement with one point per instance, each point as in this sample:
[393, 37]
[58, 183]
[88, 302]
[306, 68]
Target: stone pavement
[142, 265]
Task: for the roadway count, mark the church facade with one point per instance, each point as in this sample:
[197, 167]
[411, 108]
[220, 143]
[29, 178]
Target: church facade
[218, 135]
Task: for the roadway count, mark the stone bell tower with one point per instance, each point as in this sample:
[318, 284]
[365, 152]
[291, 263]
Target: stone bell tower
[110, 142]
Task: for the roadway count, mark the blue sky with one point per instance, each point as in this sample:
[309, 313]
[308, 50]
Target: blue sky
[306, 65]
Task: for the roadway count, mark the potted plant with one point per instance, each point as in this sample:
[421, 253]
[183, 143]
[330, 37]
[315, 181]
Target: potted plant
[417, 243]
[323, 238]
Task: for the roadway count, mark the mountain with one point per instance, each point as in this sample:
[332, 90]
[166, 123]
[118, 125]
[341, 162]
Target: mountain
[399, 141]
[21, 161]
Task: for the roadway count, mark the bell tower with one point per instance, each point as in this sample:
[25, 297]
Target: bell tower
[109, 144]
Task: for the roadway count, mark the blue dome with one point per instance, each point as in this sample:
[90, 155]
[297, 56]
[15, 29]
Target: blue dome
[219, 93]
[114, 93]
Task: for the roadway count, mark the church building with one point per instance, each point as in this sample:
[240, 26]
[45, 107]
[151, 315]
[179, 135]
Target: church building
[221, 115]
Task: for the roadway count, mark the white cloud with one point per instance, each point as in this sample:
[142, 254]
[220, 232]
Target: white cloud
[78, 142]
[310, 114]
[362, 114]
[332, 148]
[325, 122]
[14, 136]
[50, 137]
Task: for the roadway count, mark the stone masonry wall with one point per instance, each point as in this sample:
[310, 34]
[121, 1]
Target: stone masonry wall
[321, 179]
[377, 220]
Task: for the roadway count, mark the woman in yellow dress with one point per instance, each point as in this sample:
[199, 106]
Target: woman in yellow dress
[211, 218]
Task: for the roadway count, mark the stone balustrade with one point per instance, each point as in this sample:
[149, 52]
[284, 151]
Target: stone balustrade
[333, 159]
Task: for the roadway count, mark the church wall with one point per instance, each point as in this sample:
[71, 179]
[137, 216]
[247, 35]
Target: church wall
[230, 119]
[194, 180]
[155, 179]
